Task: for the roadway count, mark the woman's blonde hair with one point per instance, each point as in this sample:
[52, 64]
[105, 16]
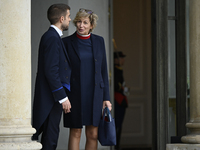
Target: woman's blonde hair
[84, 13]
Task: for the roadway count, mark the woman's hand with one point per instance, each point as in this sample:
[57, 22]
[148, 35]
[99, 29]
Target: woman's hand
[108, 104]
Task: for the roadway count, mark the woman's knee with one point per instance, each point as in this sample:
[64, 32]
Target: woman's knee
[92, 133]
[76, 133]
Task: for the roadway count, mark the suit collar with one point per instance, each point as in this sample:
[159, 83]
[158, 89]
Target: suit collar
[54, 30]
[57, 30]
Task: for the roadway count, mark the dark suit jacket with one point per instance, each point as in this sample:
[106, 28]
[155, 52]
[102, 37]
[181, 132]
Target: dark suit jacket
[101, 85]
[52, 73]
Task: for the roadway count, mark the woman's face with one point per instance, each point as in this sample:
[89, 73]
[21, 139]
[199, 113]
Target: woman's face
[83, 26]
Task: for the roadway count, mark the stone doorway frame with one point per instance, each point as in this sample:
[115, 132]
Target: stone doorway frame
[160, 71]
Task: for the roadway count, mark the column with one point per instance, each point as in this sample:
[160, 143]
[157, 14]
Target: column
[15, 76]
[194, 124]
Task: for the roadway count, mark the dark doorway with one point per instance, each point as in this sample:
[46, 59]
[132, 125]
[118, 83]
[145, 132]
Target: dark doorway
[132, 34]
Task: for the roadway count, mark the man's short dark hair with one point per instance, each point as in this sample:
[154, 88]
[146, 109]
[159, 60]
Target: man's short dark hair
[55, 11]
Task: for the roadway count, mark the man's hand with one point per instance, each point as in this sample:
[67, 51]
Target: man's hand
[108, 104]
[66, 106]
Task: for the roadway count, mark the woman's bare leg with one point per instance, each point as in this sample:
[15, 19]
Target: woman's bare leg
[74, 139]
[91, 137]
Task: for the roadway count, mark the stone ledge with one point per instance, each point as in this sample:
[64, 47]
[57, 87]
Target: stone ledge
[20, 134]
[183, 147]
[17, 130]
[21, 146]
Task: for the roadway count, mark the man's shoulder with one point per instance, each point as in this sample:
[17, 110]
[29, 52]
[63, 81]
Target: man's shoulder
[50, 34]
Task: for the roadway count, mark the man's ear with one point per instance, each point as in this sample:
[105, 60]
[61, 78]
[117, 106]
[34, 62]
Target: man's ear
[62, 19]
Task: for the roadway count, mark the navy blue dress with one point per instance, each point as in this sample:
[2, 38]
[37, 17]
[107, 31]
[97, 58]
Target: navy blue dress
[87, 77]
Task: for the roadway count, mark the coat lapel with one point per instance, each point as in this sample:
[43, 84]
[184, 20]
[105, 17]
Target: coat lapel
[64, 49]
[94, 45]
[75, 44]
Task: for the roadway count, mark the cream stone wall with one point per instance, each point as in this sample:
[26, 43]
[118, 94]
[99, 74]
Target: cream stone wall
[15, 62]
[15, 76]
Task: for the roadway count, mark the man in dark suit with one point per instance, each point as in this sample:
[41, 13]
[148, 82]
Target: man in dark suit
[53, 79]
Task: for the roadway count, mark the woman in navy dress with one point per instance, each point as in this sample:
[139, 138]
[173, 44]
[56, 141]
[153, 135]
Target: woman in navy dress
[89, 81]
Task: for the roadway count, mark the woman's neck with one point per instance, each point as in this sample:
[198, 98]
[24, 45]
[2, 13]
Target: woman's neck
[82, 36]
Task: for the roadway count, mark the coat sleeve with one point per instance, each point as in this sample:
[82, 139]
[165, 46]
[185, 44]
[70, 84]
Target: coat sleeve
[104, 71]
[51, 67]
